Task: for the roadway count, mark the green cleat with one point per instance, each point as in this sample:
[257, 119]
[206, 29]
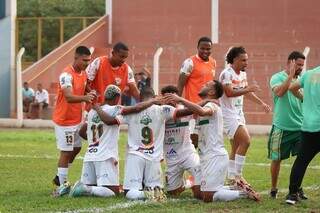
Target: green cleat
[77, 190]
[62, 190]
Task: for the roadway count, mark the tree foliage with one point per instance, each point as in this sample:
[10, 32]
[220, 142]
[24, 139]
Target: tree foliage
[50, 28]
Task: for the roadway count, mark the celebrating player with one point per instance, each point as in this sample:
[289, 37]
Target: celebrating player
[213, 155]
[234, 81]
[67, 115]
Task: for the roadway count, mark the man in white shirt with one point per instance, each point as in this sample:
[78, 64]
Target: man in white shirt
[179, 152]
[41, 100]
[235, 86]
[213, 155]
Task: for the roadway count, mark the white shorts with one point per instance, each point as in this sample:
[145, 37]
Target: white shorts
[213, 173]
[100, 173]
[138, 170]
[67, 137]
[174, 173]
[231, 124]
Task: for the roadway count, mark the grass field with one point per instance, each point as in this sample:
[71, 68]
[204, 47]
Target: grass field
[28, 163]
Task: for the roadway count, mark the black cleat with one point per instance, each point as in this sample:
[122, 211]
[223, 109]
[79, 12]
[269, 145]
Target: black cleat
[274, 193]
[301, 194]
[292, 199]
[56, 181]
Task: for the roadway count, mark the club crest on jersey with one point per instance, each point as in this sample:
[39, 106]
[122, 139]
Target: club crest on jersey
[166, 110]
[96, 119]
[145, 120]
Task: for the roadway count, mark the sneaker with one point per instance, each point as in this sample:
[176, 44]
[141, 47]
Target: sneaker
[274, 193]
[62, 190]
[159, 194]
[292, 199]
[245, 187]
[77, 190]
[56, 182]
[301, 194]
[149, 193]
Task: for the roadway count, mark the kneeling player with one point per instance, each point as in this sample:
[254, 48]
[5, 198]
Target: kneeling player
[213, 155]
[180, 154]
[100, 172]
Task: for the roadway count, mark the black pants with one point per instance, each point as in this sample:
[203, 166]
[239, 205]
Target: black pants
[310, 146]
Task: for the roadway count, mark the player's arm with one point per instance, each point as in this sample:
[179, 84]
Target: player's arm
[280, 90]
[134, 91]
[295, 89]
[91, 72]
[107, 119]
[140, 106]
[230, 92]
[254, 98]
[71, 98]
[83, 131]
[185, 71]
[195, 108]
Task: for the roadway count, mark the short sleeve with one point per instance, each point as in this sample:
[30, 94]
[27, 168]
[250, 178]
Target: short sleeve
[168, 112]
[187, 67]
[46, 96]
[130, 75]
[302, 80]
[211, 106]
[92, 69]
[275, 81]
[226, 78]
[65, 80]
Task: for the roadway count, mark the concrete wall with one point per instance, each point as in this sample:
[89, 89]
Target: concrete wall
[7, 59]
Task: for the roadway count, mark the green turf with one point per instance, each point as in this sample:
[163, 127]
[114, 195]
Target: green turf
[28, 161]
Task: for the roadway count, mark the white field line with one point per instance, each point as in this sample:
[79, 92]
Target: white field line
[123, 205]
[81, 158]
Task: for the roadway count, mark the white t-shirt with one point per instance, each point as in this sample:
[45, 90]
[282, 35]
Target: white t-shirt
[177, 143]
[42, 96]
[232, 106]
[102, 139]
[93, 68]
[211, 133]
[146, 131]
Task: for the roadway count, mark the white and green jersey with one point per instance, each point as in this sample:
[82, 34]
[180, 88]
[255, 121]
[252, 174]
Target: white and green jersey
[232, 106]
[102, 139]
[177, 142]
[146, 131]
[211, 133]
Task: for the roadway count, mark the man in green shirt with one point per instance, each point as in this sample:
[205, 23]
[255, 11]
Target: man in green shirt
[310, 142]
[285, 134]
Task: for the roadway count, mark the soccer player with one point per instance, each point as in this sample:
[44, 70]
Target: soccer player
[235, 86]
[310, 146]
[145, 148]
[100, 172]
[213, 155]
[67, 115]
[285, 134]
[105, 70]
[180, 154]
[194, 73]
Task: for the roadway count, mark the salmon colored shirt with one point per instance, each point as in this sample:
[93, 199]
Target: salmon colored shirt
[101, 74]
[69, 114]
[199, 72]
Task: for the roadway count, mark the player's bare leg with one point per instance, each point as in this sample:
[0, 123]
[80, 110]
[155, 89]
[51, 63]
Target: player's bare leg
[74, 153]
[274, 170]
[40, 110]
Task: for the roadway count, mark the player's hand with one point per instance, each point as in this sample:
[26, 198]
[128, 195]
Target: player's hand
[292, 68]
[158, 100]
[253, 88]
[89, 97]
[171, 98]
[266, 107]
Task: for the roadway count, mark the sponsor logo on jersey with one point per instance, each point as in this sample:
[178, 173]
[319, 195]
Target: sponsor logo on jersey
[171, 153]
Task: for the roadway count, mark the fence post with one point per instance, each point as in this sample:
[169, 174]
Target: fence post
[61, 31]
[39, 38]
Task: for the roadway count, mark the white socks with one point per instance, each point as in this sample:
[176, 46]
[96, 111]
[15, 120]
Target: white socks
[100, 191]
[135, 195]
[239, 162]
[227, 195]
[62, 174]
[231, 169]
